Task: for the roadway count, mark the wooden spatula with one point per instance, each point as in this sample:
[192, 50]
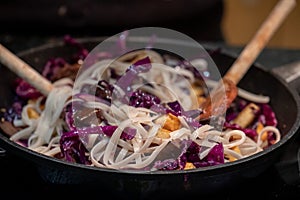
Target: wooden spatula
[219, 100]
[25, 71]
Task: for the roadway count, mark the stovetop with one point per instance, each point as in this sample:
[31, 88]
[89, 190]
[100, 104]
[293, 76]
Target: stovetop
[280, 181]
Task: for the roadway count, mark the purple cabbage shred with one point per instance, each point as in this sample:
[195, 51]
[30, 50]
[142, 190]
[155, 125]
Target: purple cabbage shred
[190, 153]
[72, 148]
[143, 99]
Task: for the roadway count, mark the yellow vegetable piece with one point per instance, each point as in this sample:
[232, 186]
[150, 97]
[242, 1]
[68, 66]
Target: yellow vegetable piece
[163, 133]
[32, 114]
[189, 165]
[33, 101]
[172, 123]
[264, 136]
[259, 127]
[236, 149]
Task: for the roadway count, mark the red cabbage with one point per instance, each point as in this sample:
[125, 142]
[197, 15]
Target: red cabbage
[140, 66]
[189, 116]
[72, 148]
[190, 153]
[127, 134]
[268, 116]
[143, 99]
[214, 157]
[51, 67]
[26, 91]
[175, 107]
[168, 164]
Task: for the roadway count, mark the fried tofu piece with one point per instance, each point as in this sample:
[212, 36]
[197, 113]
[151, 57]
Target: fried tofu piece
[247, 115]
[163, 133]
[170, 123]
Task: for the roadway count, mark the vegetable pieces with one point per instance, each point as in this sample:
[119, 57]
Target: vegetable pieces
[247, 115]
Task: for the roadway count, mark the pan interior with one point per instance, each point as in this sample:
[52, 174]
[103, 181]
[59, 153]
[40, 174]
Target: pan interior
[257, 80]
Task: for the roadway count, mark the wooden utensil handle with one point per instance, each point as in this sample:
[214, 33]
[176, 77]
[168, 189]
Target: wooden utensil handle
[258, 42]
[25, 71]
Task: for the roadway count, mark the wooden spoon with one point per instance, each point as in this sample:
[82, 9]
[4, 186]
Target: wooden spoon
[219, 100]
[25, 71]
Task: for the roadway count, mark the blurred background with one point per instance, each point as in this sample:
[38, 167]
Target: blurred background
[81, 18]
[243, 17]
[232, 22]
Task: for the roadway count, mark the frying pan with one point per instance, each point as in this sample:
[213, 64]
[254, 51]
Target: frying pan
[162, 184]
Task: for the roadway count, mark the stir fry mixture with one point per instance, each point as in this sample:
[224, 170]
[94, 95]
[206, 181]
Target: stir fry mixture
[139, 111]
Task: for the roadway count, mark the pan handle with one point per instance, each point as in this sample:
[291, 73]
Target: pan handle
[290, 73]
[289, 169]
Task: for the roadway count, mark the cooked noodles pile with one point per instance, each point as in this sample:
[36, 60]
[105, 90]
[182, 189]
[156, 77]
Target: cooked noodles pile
[139, 112]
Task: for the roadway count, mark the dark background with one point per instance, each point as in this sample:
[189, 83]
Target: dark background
[29, 19]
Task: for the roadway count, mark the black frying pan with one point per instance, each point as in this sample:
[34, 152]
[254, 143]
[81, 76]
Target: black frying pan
[202, 181]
